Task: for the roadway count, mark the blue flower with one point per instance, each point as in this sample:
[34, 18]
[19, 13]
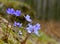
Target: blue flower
[27, 17]
[36, 32]
[17, 24]
[17, 13]
[10, 11]
[29, 28]
[36, 28]
[33, 28]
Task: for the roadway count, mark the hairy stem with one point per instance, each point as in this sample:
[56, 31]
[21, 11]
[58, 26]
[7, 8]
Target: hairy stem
[24, 41]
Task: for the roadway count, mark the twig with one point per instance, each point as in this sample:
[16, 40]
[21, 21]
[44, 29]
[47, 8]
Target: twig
[24, 41]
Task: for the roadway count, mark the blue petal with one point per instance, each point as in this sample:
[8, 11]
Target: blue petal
[10, 11]
[18, 13]
[29, 20]
[29, 28]
[30, 25]
[37, 26]
[27, 17]
[36, 32]
[20, 25]
[17, 23]
[29, 31]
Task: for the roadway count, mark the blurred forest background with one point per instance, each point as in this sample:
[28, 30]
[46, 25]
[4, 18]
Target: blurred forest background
[45, 9]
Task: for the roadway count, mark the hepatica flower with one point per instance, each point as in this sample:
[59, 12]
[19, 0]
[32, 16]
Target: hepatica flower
[33, 28]
[10, 11]
[27, 17]
[17, 24]
[29, 28]
[17, 13]
[36, 28]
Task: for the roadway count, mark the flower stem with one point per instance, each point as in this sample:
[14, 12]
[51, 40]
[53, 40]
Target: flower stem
[24, 41]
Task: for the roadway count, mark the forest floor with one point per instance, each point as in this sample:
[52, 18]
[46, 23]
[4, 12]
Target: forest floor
[49, 34]
[51, 28]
